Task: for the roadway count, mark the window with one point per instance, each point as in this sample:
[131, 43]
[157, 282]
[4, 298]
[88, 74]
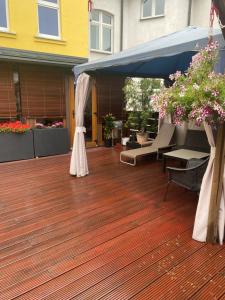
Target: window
[3, 15]
[48, 17]
[101, 31]
[152, 8]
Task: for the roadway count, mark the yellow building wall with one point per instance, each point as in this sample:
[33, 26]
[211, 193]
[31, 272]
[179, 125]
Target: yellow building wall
[23, 28]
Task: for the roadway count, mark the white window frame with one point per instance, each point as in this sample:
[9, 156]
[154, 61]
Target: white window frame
[56, 6]
[6, 29]
[153, 11]
[101, 25]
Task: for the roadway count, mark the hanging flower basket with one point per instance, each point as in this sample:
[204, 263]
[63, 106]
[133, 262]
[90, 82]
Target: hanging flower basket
[197, 95]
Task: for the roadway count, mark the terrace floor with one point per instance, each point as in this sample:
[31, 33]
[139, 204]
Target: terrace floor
[105, 236]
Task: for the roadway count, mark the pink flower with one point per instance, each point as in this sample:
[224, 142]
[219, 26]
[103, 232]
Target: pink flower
[211, 75]
[215, 93]
[196, 86]
[171, 77]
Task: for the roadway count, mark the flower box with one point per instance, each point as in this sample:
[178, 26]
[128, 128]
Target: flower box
[51, 141]
[16, 146]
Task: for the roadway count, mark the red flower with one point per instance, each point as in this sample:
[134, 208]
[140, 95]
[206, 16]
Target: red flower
[16, 127]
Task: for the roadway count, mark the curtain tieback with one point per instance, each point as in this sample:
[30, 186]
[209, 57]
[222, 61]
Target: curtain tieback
[80, 129]
[213, 152]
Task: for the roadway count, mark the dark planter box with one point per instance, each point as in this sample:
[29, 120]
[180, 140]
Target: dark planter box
[16, 146]
[51, 141]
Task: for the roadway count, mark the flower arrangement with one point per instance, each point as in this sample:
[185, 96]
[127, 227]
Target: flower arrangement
[14, 127]
[57, 124]
[39, 125]
[197, 95]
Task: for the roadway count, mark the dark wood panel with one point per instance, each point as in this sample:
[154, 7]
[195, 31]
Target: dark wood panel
[110, 96]
[7, 92]
[42, 91]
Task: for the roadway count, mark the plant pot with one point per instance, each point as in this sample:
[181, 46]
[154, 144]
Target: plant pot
[16, 146]
[108, 142]
[142, 137]
[124, 141]
[51, 141]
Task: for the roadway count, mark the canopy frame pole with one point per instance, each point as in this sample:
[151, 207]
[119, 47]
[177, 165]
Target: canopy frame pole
[220, 6]
[217, 186]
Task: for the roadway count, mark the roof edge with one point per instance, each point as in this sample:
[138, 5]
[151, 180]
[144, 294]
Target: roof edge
[40, 57]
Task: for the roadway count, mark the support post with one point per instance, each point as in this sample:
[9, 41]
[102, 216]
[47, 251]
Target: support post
[94, 112]
[217, 185]
[220, 5]
[71, 108]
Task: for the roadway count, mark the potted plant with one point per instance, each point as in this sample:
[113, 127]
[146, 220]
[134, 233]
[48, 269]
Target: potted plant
[16, 141]
[108, 128]
[137, 92]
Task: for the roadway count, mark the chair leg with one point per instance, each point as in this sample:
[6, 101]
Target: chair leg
[166, 192]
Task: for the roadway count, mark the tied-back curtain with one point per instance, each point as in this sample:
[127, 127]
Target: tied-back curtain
[202, 213]
[78, 163]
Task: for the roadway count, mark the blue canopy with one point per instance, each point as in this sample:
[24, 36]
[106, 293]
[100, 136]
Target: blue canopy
[157, 58]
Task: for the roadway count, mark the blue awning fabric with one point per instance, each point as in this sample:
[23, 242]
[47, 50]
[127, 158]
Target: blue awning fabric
[157, 58]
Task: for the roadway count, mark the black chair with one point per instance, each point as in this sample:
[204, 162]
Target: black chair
[189, 178]
[196, 140]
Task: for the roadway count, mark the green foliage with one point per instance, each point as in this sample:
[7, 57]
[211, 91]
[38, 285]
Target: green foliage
[137, 93]
[197, 95]
[108, 125]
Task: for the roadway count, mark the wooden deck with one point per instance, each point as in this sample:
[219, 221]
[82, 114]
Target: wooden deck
[105, 236]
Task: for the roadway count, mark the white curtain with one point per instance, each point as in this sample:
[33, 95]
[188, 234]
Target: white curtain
[78, 163]
[202, 213]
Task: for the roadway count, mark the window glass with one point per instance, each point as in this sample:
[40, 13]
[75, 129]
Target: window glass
[147, 8]
[94, 37]
[101, 31]
[159, 7]
[106, 19]
[95, 15]
[3, 15]
[106, 39]
[52, 1]
[48, 21]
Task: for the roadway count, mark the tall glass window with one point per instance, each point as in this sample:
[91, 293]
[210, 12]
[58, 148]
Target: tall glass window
[159, 7]
[152, 8]
[3, 15]
[48, 18]
[101, 31]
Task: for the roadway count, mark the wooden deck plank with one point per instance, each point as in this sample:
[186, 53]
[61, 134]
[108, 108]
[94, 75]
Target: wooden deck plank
[95, 284]
[214, 288]
[58, 261]
[107, 235]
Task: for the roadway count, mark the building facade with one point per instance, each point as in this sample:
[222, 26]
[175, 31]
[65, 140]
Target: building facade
[121, 24]
[40, 42]
[133, 22]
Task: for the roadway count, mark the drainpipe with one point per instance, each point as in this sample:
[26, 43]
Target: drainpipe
[189, 13]
[121, 25]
